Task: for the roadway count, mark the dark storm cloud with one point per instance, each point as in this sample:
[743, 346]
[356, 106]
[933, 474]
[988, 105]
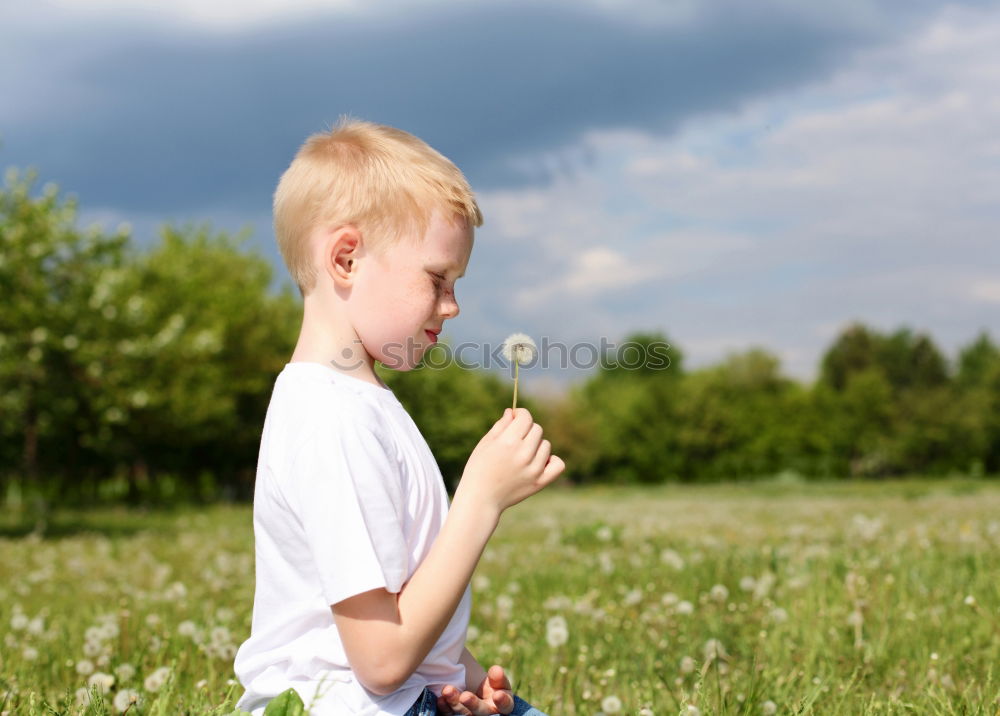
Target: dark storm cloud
[152, 120]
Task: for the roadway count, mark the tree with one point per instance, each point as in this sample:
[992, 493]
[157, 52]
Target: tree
[47, 269]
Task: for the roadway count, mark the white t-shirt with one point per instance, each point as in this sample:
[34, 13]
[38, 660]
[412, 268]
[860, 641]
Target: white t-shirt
[348, 498]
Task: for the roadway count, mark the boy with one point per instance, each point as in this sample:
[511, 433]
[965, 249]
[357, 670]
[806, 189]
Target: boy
[362, 597]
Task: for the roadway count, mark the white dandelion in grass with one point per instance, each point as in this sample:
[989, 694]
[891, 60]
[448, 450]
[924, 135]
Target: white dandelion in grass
[155, 681]
[102, 681]
[556, 631]
[125, 698]
[611, 704]
[518, 348]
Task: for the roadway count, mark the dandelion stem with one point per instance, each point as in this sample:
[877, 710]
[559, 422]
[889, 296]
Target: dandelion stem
[516, 364]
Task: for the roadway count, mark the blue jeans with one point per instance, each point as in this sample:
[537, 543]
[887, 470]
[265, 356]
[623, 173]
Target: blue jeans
[426, 705]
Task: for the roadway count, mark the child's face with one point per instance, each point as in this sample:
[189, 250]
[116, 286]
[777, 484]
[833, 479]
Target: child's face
[409, 291]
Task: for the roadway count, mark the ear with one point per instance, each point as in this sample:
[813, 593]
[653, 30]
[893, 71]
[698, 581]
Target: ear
[341, 250]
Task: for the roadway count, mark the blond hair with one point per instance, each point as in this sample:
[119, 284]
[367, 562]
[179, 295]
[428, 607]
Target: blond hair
[382, 180]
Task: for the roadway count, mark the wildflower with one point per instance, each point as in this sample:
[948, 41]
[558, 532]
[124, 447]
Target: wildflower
[670, 558]
[18, 622]
[645, 712]
[82, 696]
[187, 628]
[633, 597]
[85, 667]
[36, 626]
[220, 635]
[970, 601]
[155, 681]
[472, 633]
[747, 584]
[779, 615]
[719, 593]
[518, 348]
[504, 605]
[102, 681]
[685, 607]
[125, 698]
[769, 708]
[687, 665]
[124, 671]
[481, 583]
[691, 710]
[611, 704]
[556, 631]
[29, 653]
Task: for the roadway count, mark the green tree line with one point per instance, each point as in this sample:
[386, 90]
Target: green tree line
[143, 375]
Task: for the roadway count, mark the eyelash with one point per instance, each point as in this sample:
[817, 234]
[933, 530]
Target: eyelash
[438, 280]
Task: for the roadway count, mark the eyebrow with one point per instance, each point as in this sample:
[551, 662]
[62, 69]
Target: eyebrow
[446, 269]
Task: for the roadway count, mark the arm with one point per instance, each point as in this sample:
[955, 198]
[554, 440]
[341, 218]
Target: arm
[386, 636]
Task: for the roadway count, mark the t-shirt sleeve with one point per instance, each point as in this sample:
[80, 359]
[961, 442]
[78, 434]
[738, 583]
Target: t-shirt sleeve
[347, 488]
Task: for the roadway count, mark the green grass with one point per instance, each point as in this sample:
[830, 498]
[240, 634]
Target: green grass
[876, 598]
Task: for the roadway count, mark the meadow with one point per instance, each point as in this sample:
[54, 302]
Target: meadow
[771, 598]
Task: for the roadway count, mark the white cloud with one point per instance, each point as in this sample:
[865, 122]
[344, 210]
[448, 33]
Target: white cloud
[871, 196]
[986, 291]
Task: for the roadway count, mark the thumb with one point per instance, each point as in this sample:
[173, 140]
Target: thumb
[498, 679]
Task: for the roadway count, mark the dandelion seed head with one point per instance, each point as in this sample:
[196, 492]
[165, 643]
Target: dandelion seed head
[124, 671]
[611, 704]
[102, 681]
[125, 698]
[719, 593]
[155, 681]
[519, 347]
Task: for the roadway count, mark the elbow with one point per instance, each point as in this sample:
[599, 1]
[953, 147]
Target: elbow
[382, 680]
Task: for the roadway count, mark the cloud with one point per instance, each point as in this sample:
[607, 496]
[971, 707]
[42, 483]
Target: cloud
[152, 116]
[987, 291]
[870, 196]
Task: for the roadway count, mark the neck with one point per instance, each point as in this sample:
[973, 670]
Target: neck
[327, 337]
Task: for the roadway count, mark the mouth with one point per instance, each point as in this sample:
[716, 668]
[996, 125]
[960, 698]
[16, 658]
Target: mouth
[432, 336]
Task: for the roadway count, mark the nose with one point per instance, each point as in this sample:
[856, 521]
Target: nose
[449, 307]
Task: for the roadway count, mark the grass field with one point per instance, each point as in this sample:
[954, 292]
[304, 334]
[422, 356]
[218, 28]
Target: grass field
[833, 598]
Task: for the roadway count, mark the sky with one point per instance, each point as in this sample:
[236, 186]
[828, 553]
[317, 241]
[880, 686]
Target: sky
[732, 175]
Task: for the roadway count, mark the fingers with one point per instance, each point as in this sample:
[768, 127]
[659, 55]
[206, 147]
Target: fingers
[503, 701]
[451, 702]
[498, 678]
[552, 470]
[533, 439]
[522, 423]
[503, 422]
[541, 458]
[466, 703]
[443, 707]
